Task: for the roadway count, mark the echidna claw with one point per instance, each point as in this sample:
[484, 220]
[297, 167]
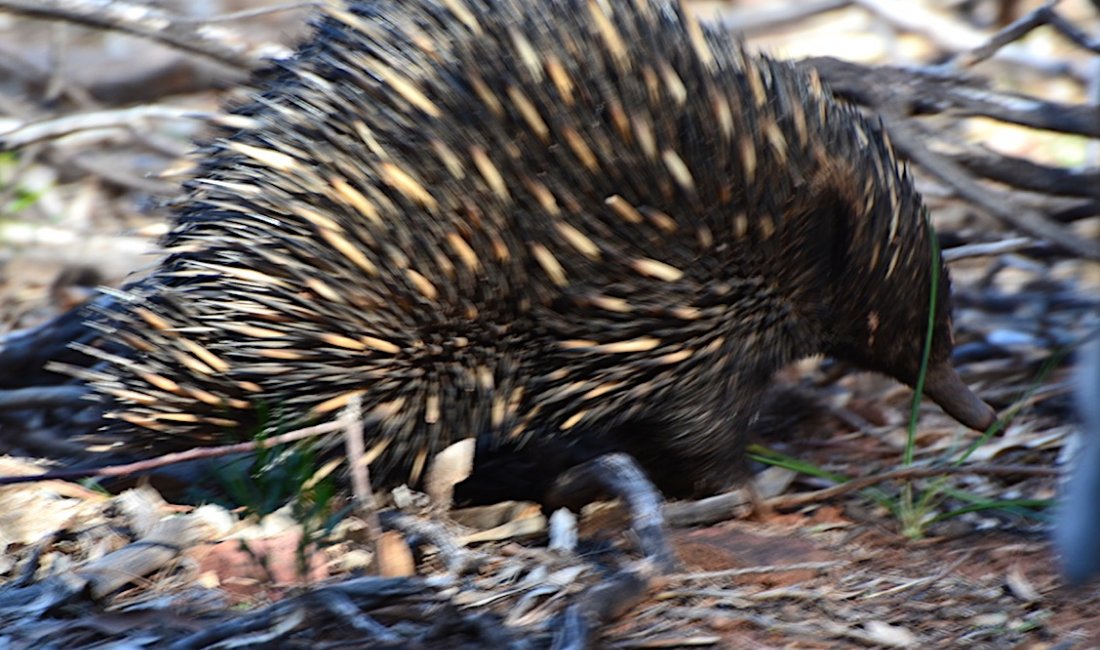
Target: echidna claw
[619, 475]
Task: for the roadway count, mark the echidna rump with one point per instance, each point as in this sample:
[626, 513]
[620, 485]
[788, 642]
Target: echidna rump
[576, 220]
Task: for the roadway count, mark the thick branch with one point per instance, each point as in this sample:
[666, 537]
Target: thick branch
[930, 90]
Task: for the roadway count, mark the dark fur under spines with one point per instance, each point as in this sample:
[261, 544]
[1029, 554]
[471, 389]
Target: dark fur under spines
[572, 220]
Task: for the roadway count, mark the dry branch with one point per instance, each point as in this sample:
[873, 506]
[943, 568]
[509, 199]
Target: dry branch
[144, 21]
[899, 95]
[38, 131]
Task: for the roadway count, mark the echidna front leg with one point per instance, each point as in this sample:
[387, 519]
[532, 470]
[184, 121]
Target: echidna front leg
[619, 475]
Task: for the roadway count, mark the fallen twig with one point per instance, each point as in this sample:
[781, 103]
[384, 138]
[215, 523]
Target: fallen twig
[165, 460]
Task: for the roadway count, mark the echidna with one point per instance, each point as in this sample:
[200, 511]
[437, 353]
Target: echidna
[578, 220]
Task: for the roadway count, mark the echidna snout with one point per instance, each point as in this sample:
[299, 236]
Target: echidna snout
[944, 387]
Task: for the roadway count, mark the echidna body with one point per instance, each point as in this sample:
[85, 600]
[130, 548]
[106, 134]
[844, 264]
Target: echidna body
[552, 219]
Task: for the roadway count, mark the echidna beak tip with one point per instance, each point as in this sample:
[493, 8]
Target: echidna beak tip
[944, 387]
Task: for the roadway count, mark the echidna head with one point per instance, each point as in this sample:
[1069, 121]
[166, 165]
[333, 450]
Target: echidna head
[892, 343]
[881, 312]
